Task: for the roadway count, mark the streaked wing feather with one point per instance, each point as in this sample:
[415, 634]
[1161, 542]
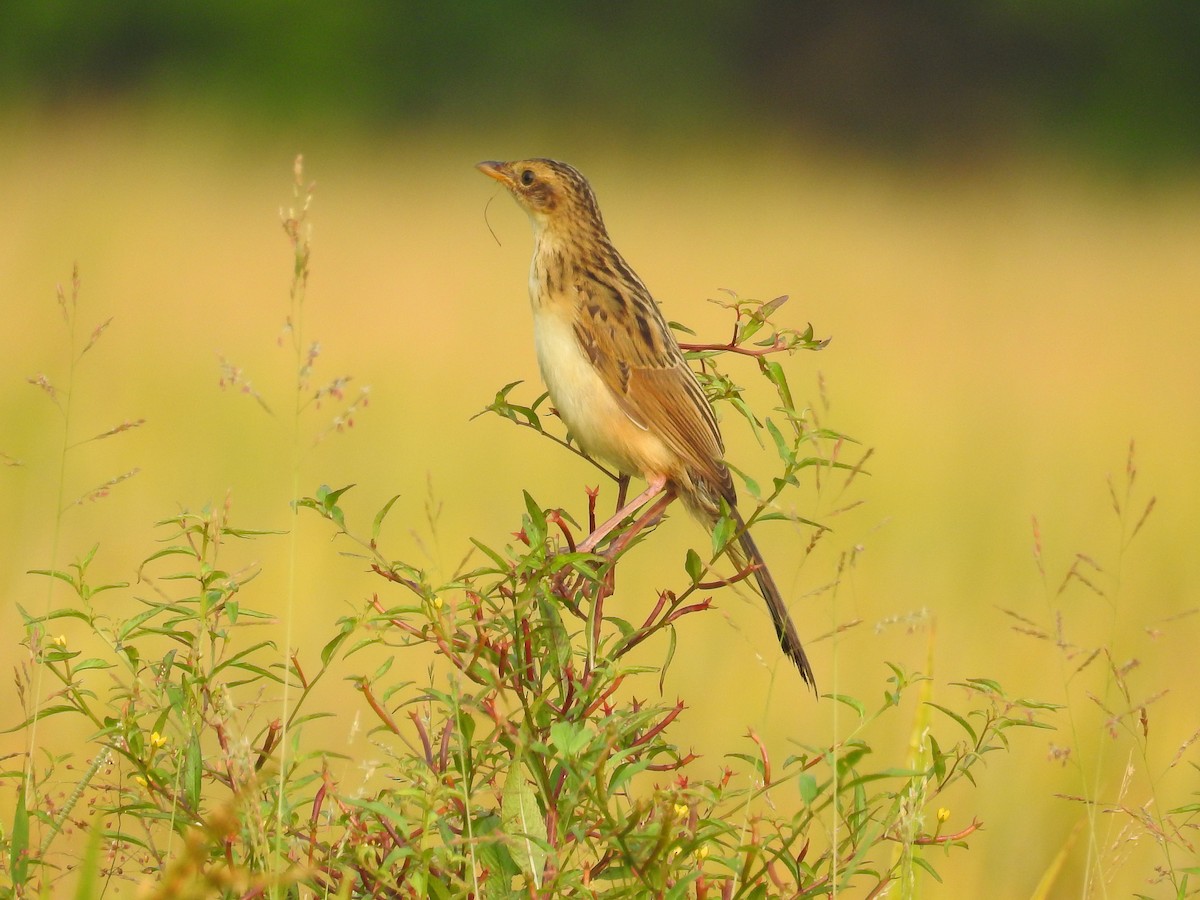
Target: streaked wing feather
[632, 348]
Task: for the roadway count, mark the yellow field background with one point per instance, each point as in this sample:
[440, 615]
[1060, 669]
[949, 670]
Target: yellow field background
[1000, 333]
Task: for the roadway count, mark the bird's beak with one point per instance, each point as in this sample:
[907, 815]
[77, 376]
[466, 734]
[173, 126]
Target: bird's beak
[497, 170]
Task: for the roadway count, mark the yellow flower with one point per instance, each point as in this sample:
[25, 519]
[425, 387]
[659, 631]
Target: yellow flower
[943, 814]
[158, 740]
[60, 641]
[702, 851]
[437, 602]
[140, 780]
[681, 810]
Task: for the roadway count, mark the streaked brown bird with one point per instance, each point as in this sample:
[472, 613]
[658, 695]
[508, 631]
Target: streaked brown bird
[616, 373]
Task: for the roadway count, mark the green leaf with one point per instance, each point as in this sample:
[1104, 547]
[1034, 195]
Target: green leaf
[495, 857]
[722, 532]
[60, 614]
[957, 718]
[537, 520]
[987, 685]
[53, 573]
[522, 821]
[92, 663]
[530, 416]
[752, 487]
[570, 738]
[808, 788]
[693, 566]
[851, 702]
[18, 848]
[774, 371]
[330, 648]
[781, 445]
[500, 561]
[134, 623]
[938, 757]
[554, 636]
[193, 769]
[768, 309]
[329, 499]
[380, 516]
[924, 864]
[169, 551]
[672, 643]
[680, 327]
[89, 883]
[44, 713]
[383, 668]
[386, 811]
[624, 772]
[749, 328]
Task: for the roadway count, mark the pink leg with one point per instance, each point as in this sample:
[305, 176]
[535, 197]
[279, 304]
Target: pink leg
[652, 516]
[656, 486]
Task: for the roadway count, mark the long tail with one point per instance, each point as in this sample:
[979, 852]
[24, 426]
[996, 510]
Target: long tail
[785, 628]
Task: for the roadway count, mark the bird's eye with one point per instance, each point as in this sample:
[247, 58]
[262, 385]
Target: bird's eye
[527, 177]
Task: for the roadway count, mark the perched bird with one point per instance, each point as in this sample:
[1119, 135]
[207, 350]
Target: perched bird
[615, 372]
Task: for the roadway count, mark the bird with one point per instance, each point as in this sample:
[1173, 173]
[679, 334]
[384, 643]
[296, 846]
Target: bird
[616, 374]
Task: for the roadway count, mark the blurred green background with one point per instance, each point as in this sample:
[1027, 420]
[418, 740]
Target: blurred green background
[993, 209]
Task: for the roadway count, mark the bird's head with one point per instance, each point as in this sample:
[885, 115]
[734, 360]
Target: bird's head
[553, 193]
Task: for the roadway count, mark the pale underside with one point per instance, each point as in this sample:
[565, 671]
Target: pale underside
[621, 385]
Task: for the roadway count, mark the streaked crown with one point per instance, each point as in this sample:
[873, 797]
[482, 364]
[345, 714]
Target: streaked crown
[552, 192]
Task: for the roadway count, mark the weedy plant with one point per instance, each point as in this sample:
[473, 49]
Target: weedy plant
[520, 763]
[1129, 789]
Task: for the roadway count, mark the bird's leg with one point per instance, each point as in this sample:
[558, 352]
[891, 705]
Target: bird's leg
[652, 516]
[657, 485]
[622, 489]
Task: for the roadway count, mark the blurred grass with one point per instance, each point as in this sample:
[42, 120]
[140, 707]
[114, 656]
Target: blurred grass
[998, 336]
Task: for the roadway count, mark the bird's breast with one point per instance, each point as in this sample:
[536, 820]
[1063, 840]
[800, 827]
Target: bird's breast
[586, 404]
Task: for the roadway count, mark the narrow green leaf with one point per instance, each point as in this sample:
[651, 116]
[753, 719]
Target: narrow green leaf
[924, 864]
[623, 773]
[193, 769]
[938, 757]
[169, 551]
[18, 848]
[500, 561]
[537, 520]
[92, 663]
[768, 309]
[63, 614]
[774, 371]
[676, 326]
[851, 702]
[749, 328]
[383, 668]
[781, 446]
[380, 516]
[55, 573]
[89, 885]
[693, 566]
[44, 713]
[672, 643]
[331, 647]
[986, 685]
[957, 718]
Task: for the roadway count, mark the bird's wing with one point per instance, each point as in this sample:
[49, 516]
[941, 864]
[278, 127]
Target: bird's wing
[632, 348]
